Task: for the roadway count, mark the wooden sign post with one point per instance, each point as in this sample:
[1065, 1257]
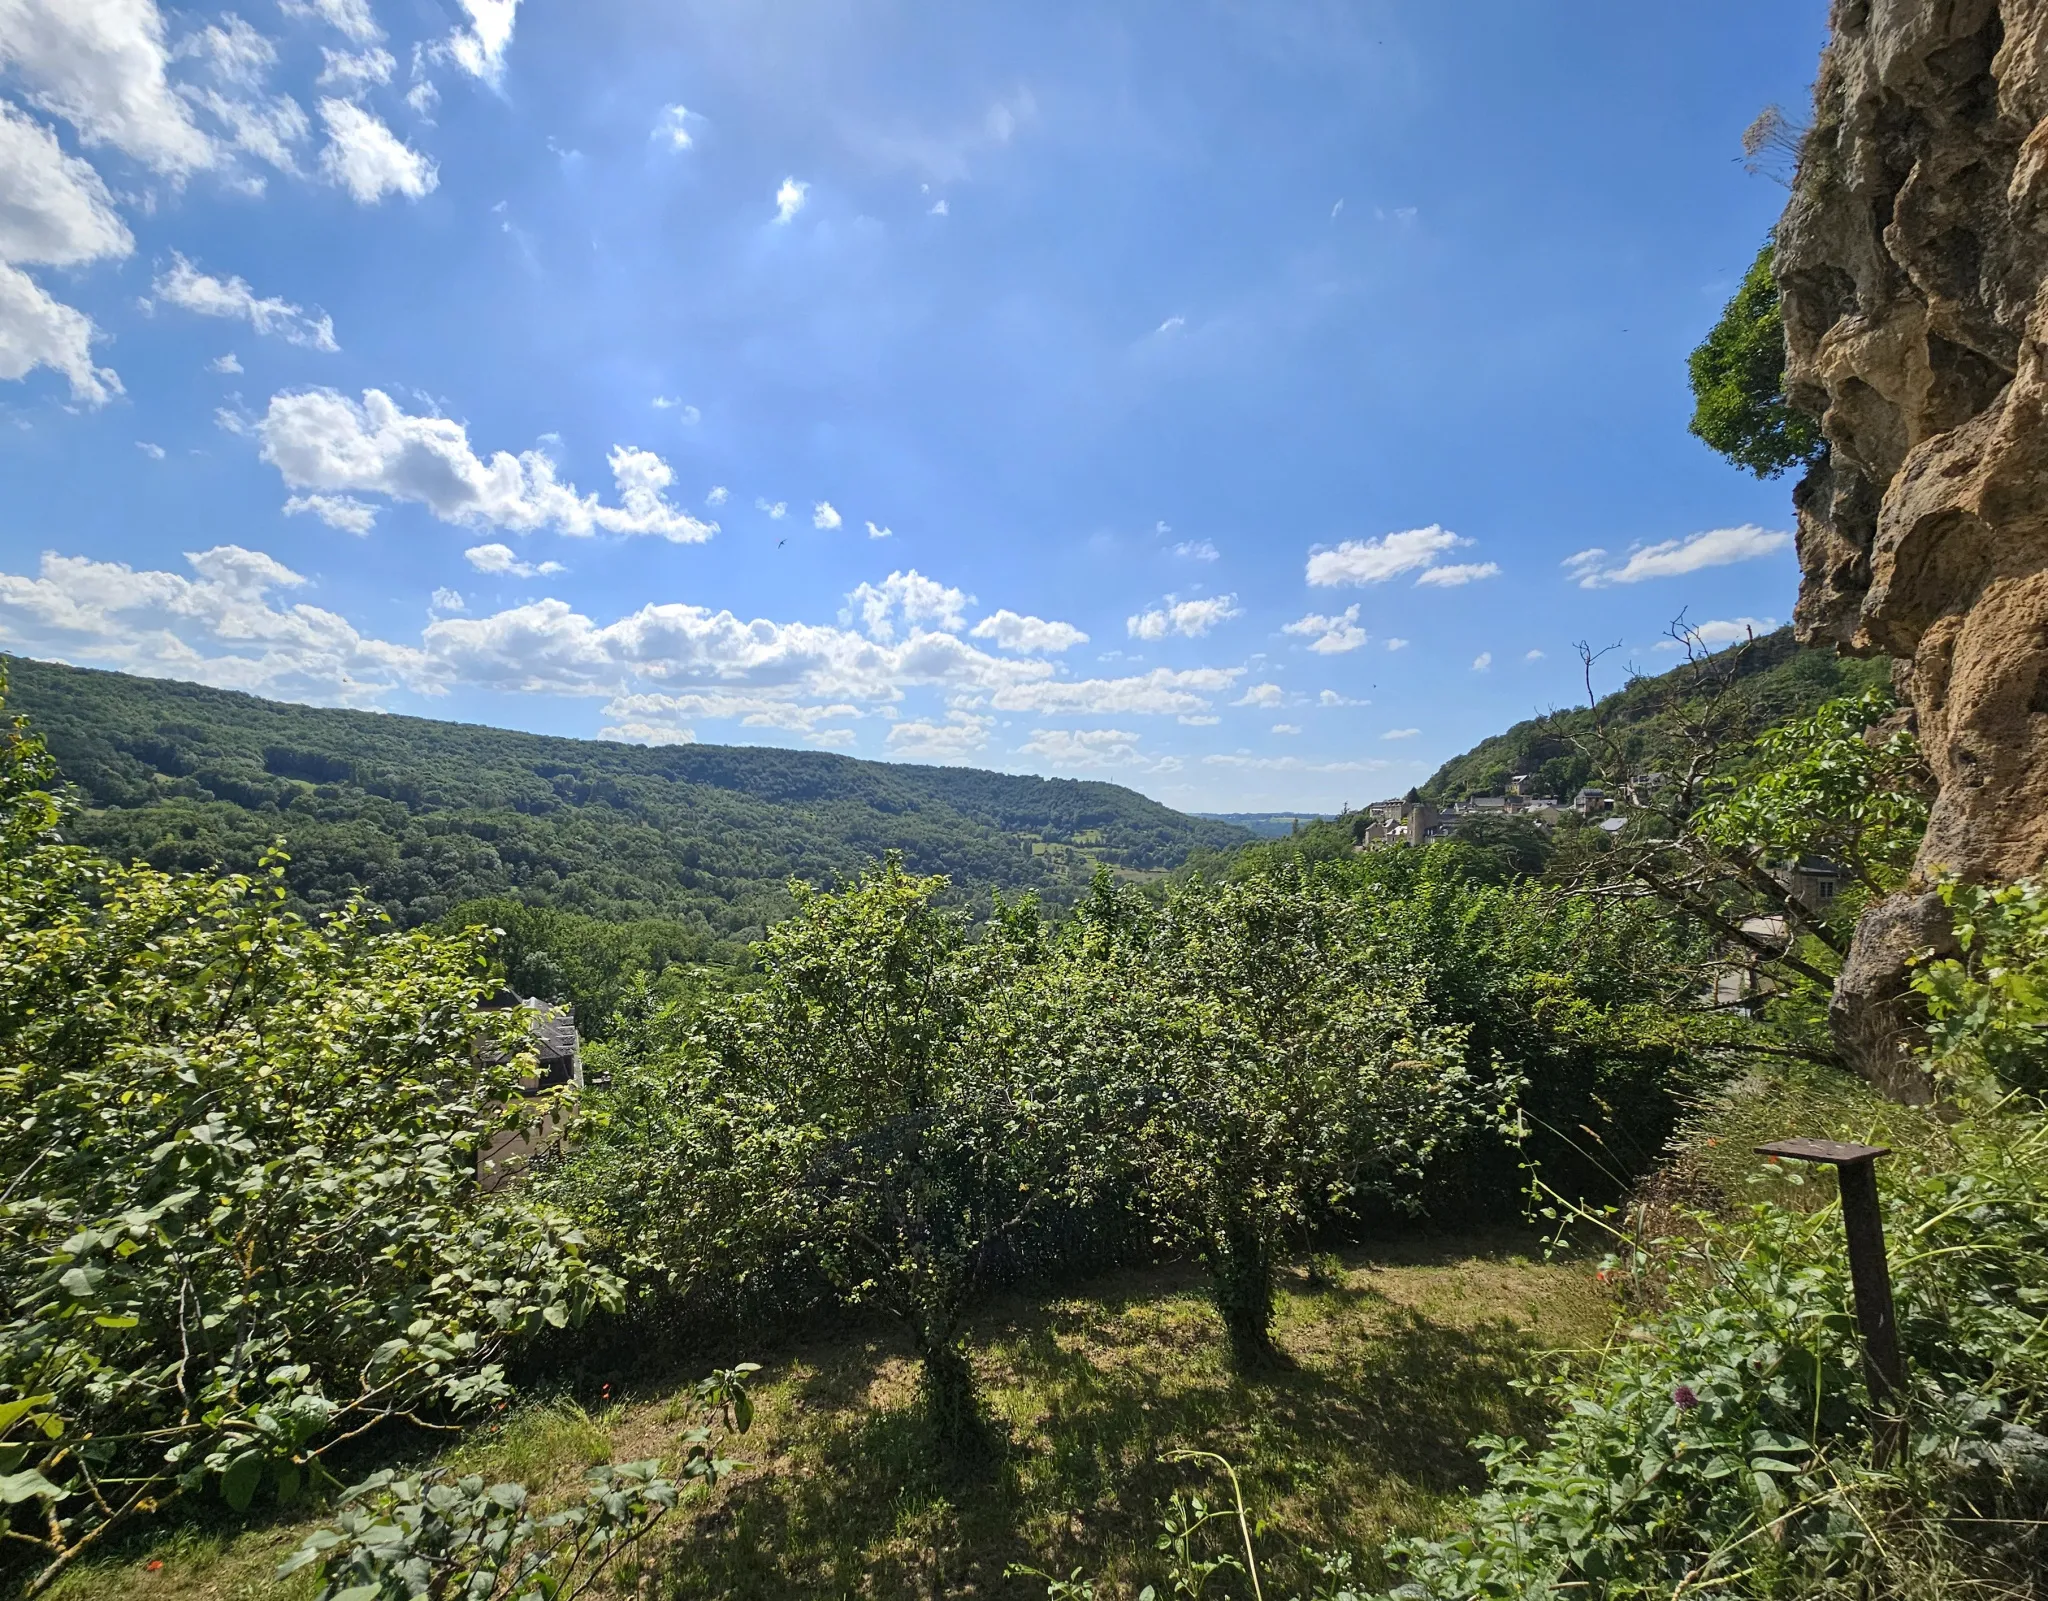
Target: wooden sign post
[1870, 1275]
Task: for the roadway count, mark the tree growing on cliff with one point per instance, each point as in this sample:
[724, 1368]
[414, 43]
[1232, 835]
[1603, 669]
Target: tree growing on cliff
[1738, 382]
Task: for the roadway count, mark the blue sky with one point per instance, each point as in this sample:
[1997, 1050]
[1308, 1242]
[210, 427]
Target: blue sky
[821, 374]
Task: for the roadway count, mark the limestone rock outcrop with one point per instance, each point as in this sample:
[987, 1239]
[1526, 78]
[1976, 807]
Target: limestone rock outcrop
[1913, 266]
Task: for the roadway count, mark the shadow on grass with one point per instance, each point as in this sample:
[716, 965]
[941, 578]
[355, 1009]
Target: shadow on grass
[1364, 1433]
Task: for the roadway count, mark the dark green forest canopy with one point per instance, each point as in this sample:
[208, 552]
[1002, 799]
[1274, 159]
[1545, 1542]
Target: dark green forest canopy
[423, 816]
[1781, 680]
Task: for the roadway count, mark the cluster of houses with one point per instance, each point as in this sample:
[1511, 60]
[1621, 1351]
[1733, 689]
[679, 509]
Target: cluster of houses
[1414, 821]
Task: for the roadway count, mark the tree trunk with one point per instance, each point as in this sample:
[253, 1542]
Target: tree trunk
[1240, 1261]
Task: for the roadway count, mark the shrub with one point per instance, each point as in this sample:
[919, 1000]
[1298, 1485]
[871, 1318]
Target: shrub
[1738, 382]
[242, 1223]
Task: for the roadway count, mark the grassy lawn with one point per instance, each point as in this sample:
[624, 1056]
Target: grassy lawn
[1394, 1366]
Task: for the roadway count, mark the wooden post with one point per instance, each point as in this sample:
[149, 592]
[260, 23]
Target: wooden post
[1870, 1275]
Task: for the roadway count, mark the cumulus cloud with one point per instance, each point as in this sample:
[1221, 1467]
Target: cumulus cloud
[1400, 733]
[1533, 656]
[910, 598]
[445, 600]
[1397, 644]
[778, 510]
[368, 160]
[880, 533]
[1083, 748]
[153, 452]
[480, 48]
[1482, 661]
[186, 287]
[789, 199]
[103, 66]
[1459, 573]
[1189, 618]
[672, 127]
[1196, 550]
[1726, 631]
[37, 331]
[719, 495]
[353, 71]
[225, 364]
[1291, 764]
[350, 18]
[502, 559]
[1717, 547]
[1330, 697]
[1261, 695]
[1028, 635]
[957, 738]
[1286, 728]
[321, 440]
[823, 515]
[1160, 693]
[1330, 636]
[345, 512]
[1374, 561]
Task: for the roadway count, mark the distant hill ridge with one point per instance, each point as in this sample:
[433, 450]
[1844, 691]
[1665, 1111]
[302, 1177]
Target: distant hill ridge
[420, 816]
[1779, 679]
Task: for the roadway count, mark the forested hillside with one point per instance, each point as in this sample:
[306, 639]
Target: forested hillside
[1781, 680]
[422, 816]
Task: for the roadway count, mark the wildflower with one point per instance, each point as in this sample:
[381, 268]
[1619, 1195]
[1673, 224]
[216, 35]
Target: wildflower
[1683, 1398]
[155, 1564]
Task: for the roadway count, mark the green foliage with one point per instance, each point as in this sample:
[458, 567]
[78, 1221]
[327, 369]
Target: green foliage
[1988, 1009]
[242, 1221]
[596, 966]
[1738, 382]
[1779, 680]
[401, 1539]
[421, 817]
[1727, 1442]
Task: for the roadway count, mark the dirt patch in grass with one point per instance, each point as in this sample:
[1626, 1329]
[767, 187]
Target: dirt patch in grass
[1391, 1368]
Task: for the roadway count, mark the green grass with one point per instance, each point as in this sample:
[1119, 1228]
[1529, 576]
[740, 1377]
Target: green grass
[1393, 1368]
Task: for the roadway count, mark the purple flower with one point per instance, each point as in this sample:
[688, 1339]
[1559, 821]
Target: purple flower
[1683, 1398]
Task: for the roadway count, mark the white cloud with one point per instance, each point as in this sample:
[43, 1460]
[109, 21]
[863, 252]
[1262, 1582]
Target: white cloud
[940, 208]
[1293, 764]
[649, 734]
[1159, 693]
[1461, 573]
[187, 287]
[1374, 561]
[673, 127]
[1286, 728]
[102, 65]
[1330, 697]
[153, 452]
[958, 737]
[1028, 635]
[1330, 636]
[423, 97]
[1482, 661]
[1717, 547]
[345, 512]
[913, 598]
[719, 495]
[778, 510]
[353, 71]
[368, 159]
[1195, 549]
[1728, 631]
[1533, 656]
[446, 600]
[502, 559]
[318, 439]
[1203, 721]
[351, 18]
[689, 416]
[1397, 644]
[37, 331]
[480, 48]
[1261, 695]
[227, 364]
[789, 199]
[770, 706]
[1172, 325]
[879, 533]
[1400, 733]
[1083, 748]
[823, 515]
[1189, 618]
[54, 210]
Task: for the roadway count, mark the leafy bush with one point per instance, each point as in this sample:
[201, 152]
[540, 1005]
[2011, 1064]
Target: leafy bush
[402, 1539]
[1738, 382]
[1988, 1008]
[242, 1223]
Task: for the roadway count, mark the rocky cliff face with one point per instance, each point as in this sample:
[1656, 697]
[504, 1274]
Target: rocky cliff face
[1913, 262]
